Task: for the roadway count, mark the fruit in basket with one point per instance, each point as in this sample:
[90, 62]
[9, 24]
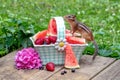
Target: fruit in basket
[47, 40]
[41, 34]
[39, 41]
[70, 58]
[75, 40]
[50, 66]
[52, 39]
[52, 29]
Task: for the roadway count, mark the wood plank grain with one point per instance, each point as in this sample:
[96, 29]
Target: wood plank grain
[88, 69]
[8, 70]
[7, 62]
[7, 67]
[9, 56]
[110, 73]
[44, 75]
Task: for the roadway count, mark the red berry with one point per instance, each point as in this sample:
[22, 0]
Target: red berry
[62, 73]
[52, 39]
[73, 70]
[50, 66]
[39, 41]
[47, 40]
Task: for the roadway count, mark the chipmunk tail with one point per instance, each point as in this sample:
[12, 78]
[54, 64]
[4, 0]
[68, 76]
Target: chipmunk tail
[96, 50]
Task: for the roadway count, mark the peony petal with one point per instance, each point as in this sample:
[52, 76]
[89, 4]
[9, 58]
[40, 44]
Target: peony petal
[27, 58]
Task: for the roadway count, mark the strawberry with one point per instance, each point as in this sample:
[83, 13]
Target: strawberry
[50, 66]
[52, 39]
[47, 40]
[39, 41]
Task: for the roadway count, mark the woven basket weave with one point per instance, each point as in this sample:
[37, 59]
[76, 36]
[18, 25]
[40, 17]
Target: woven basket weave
[48, 53]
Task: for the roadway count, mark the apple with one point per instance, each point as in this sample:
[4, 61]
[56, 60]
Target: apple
[47, 40]
[52, 39]
[39, 41]
[50, 66]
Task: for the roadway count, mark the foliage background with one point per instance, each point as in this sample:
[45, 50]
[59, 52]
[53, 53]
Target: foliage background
[20, 19]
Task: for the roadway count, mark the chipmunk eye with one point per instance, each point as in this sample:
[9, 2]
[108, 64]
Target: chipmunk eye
[69, 16]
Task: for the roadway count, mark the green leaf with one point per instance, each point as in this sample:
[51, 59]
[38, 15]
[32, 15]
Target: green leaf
[24, 38]
[104, 52]
[24, 42]
[4, 29]
[1, 46]
[11, 29]
[31, 29]
[2, 53]
[114, 55]
[28, 35]
[89, 50]
[9, 41]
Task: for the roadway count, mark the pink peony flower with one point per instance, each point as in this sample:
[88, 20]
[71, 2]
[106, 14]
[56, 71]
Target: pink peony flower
[27, 58]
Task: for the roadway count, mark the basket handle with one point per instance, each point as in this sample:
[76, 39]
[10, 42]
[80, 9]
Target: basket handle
[60, 28]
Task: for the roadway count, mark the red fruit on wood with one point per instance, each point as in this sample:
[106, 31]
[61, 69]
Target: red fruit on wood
[39, 41]
[47, 40]
[52, 39]
[50, 66]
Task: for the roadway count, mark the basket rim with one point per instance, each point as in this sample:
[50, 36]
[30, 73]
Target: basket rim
[31, 38]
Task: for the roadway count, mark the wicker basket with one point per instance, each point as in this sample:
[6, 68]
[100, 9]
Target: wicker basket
[48, 53]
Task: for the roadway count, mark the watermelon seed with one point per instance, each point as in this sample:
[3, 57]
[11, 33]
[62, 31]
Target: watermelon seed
[65, 71]
[62, 73]
[73, 70]
[41, 68]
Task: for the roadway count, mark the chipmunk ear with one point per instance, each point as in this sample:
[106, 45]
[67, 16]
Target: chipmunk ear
[74, 16]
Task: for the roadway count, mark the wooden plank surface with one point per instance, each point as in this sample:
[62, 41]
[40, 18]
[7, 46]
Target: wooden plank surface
[9, 72]
[44, 75]
[110, 73]
[6, 66]
[87, 71]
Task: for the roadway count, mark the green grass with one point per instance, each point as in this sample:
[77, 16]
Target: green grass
[102, 16]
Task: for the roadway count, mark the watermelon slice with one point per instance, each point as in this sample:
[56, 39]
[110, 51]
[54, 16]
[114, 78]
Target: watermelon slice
[75, 40]
[41, 34]
[52, 29]
[70, 58]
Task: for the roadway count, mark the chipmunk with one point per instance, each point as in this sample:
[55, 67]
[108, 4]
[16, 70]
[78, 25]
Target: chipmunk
[83, 30]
